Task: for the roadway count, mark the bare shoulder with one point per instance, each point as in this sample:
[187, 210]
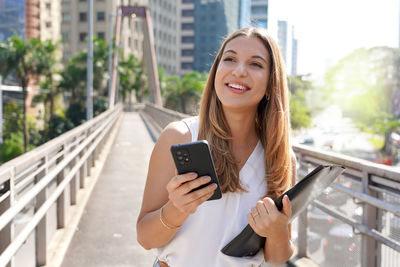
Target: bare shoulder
[175, 133]
[161, 166]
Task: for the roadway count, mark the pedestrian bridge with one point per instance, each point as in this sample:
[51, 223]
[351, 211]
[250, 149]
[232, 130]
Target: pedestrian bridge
[74, 200]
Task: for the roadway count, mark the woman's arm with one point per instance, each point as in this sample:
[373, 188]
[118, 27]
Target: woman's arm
[166, 200]
[266, 220]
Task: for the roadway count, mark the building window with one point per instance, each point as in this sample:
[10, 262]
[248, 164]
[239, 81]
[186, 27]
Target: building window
[187, 13]
[101, 35]
[66, 16]
[187, 26]
[259, 10]
[101, 16]
[187, 66]
[82, 36]
[48, 24]
[66, 55]
[187, 1]
[82, 16]
[65, 36]
[187, 52]
[48, 5]
[187, 39]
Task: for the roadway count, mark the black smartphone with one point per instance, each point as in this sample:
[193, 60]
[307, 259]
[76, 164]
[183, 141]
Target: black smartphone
[196, 157]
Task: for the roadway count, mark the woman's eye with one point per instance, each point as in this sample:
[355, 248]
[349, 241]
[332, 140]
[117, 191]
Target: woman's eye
[228, 59]
[257, 65]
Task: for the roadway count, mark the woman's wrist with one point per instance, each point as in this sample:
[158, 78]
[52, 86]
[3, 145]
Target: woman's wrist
[170, 217]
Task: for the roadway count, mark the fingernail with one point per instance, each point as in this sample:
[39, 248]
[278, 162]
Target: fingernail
[206, 178]
[214, 186]
[193, 174]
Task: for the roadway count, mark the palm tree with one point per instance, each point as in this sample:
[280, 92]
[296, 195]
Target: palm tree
[21, 59]
[130, 75]
[182, 92]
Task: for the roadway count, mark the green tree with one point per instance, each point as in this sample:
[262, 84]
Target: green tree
[73, 82]
[366, 84]
[183, 94]
[130, 77]
[300, 113]
[22, 59]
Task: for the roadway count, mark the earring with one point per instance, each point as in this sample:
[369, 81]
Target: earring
[268, 97]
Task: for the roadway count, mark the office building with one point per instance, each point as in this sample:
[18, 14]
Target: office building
[186, 42]
[288, 45]
[165, 15]
[204, 24]
[244, 13]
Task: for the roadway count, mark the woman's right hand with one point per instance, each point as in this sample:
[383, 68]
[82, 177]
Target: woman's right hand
[179, 193]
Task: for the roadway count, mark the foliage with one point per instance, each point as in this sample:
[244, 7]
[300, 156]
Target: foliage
[73, 81]
[300, 113]
[12, 147]
[130, 78]
[59, 125]
[12, 115]
[366, 85]
[183, 94]
[24, 60]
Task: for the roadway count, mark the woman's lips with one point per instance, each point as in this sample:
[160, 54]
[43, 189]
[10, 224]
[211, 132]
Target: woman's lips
[237, 88]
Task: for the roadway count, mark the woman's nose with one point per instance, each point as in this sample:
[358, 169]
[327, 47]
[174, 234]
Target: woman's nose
[239, 70]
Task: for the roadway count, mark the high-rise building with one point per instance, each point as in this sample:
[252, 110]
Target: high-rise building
[259, 13]
[244, 13]
[264, 14]
[19, 18]
[186, 36]
[204, 24]
[294, 54]
[50, 20]
[288, 46]
[165, 15]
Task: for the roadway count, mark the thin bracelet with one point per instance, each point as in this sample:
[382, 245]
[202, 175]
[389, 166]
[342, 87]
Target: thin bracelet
[166, 225]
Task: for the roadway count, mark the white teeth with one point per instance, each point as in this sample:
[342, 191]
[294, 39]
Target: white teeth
[236, 86]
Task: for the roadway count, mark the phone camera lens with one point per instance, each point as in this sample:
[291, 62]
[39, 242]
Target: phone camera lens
[178, 153]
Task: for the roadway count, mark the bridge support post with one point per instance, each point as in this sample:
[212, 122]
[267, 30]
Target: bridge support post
[302, 220]
[82, 171]
[42, 228]
[7, 234]
[369, 247]
[74, 187]
[61, 203]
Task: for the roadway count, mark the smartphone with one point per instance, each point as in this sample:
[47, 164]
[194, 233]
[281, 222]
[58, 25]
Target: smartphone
[196, 157]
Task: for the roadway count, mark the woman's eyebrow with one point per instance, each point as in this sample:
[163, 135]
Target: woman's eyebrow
[255, 56]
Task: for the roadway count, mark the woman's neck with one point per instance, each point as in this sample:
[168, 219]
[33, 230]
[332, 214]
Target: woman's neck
[242, 126]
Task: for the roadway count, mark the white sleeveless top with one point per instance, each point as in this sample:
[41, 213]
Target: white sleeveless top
[215, 223]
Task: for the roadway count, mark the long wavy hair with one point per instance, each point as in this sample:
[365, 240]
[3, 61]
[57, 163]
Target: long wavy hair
[272, 123]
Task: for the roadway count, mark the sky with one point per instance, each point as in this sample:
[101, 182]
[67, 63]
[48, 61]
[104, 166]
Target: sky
[328, 30]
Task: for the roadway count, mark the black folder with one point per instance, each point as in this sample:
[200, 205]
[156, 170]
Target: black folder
[248, 243]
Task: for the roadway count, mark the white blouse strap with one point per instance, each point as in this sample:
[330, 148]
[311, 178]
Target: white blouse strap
[193, 124]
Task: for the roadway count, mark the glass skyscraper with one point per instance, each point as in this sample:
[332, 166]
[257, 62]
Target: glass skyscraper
[12, 19]
[214, 20]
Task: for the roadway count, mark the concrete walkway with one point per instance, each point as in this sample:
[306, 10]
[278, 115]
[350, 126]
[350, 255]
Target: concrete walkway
[106, 235]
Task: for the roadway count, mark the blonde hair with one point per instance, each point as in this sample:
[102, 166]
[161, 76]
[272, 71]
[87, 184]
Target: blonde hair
[272, 123]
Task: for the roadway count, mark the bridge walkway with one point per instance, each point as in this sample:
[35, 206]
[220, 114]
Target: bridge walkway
[106, 234]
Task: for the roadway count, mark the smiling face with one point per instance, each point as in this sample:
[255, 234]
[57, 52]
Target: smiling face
[243, 72]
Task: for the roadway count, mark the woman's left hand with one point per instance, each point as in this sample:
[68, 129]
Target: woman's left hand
[267, 221]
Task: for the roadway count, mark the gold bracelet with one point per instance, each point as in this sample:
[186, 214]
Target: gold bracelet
[166, 225]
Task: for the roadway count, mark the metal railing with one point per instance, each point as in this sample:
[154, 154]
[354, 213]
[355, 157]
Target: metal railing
[37, 188]
[365, 198]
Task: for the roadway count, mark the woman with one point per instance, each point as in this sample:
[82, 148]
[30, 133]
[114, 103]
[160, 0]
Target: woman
[244, 115]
